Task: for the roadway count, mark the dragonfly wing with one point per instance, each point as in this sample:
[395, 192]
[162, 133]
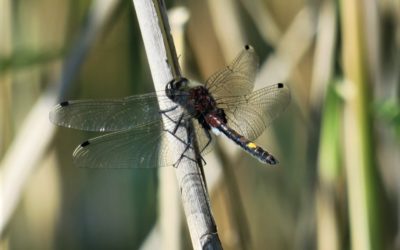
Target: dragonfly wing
[107, 115]
[237, 78]
[141, 147]
[251, 114]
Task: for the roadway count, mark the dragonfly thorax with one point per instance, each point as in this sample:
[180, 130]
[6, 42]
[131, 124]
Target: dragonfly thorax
[204, 105]
[196, 100]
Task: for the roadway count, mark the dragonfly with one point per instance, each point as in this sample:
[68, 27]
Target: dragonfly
[225, 104]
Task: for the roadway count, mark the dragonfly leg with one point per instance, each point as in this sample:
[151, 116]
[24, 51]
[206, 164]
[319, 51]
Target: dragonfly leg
[178, 123]
[202, 159]
[176, 164]
[164, 112]
[183, 155]
[190, 135]
[176, 137]
[190, 142]
[207, 132]
[188, 146]
[168, 110]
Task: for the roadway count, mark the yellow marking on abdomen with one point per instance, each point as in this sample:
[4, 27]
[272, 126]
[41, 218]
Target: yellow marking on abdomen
[252, 145]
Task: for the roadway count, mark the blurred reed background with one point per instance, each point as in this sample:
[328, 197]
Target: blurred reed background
[337, 186]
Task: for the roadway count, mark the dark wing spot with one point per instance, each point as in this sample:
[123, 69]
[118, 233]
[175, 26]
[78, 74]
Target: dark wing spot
[63, 104]
[247, 47]
[280, 85]
[84, 144]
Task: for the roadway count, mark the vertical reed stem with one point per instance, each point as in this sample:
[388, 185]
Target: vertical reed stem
[164, 66]
[361, 173]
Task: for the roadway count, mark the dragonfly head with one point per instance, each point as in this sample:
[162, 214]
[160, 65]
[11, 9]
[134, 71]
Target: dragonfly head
[174, 88]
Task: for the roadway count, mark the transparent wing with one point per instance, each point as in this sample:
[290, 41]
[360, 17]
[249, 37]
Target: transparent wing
[141, 147]
[237, 78]
[107, 115]
[251, 114]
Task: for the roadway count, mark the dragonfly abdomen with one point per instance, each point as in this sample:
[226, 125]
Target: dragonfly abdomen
[249, 146]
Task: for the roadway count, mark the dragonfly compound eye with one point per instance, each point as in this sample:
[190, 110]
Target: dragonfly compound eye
[179, 83]
[169, 90]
